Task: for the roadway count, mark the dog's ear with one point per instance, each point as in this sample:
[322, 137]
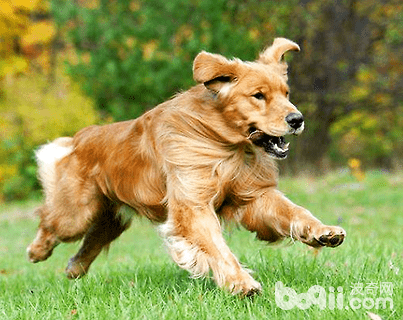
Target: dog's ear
[275, 53]
[214, 71]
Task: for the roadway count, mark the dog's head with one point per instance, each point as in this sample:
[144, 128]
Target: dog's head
[253, 97]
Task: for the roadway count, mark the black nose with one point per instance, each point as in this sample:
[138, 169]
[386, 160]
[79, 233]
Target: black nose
[294, 120]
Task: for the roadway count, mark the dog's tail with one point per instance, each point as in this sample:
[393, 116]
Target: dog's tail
[47, 157]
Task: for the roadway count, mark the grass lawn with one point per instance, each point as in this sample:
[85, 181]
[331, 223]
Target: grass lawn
[137, 279]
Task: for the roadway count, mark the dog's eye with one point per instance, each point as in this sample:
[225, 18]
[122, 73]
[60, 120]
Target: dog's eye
[287, 93]
[259, 96]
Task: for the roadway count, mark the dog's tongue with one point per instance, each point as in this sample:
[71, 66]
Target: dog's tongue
[256, 136]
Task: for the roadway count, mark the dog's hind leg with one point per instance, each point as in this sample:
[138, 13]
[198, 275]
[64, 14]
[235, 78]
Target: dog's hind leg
[42, 246]
[71, 201]
[47, 157]
[106, 228]
[61, 221]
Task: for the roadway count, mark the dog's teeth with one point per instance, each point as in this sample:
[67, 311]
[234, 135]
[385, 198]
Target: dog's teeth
[279, 149]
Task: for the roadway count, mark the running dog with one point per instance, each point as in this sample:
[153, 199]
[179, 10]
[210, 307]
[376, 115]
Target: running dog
[205, 156]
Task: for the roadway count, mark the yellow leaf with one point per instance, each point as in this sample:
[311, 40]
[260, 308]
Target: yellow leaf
[254, 33]
[12, 23]
[7, 171]
[6, 9]
[149, 49]
[25, 4]
[12, 66]
[366, 75]
[354, 163]
[359, 93]
[42, 32]
[135, 6]
[43, 60]
[89, 4]
[383, 99]
[131, 42]
[20, 64]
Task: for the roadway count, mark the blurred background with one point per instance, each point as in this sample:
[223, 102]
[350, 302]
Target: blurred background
[67, 64]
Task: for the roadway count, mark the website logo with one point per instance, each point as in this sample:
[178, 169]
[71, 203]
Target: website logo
[372, 295]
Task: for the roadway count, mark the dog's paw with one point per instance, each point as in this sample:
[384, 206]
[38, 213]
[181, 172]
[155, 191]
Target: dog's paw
[42, 247]
[75, 270]
[38, 253]
[330, 236]
[244, 285]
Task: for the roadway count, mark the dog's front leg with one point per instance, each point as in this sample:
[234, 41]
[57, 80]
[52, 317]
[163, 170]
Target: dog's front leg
[194, 239]
[273, 217]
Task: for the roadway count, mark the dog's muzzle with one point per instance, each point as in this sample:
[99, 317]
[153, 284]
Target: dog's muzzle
[296, 121]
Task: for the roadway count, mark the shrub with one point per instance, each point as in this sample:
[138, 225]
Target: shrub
[32, 113]
[369, 135]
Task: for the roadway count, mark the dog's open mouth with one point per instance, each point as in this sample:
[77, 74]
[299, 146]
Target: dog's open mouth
[275, 146]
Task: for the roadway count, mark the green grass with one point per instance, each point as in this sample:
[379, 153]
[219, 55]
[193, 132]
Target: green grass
[137, 280]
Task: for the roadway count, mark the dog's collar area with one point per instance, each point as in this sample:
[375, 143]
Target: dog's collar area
[274, 146]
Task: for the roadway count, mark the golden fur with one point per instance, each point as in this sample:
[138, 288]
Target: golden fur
[184, 164]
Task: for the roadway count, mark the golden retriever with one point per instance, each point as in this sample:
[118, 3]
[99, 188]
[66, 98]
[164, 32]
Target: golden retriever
[204, 156]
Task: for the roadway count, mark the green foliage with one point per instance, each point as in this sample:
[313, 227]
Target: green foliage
[32, 114]
[370, 136]
[133, 55]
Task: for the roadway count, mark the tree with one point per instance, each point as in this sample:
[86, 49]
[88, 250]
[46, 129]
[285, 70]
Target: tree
[349, 48]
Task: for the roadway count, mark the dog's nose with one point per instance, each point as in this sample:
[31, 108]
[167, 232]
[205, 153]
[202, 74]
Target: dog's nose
[294, 120]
